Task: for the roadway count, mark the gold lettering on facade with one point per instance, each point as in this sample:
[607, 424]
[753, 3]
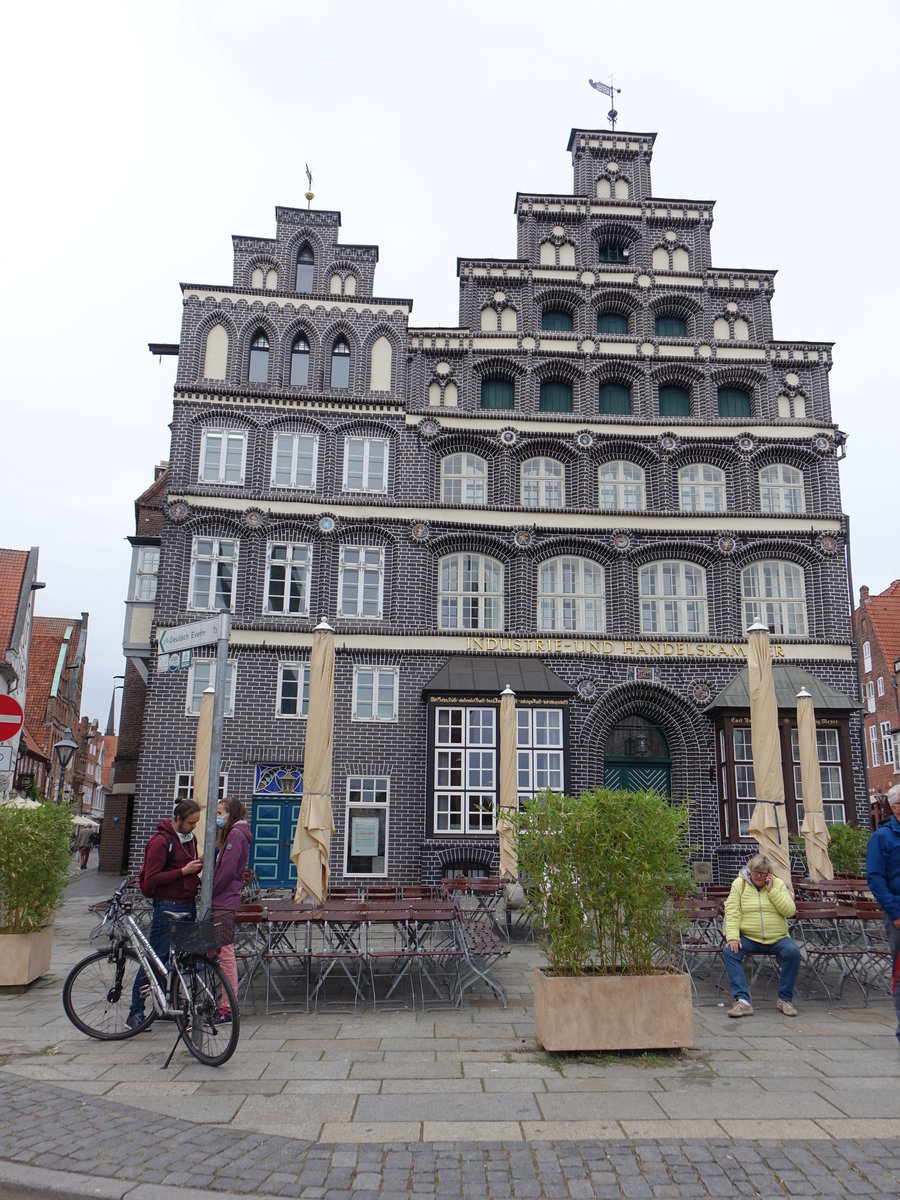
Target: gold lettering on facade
[596, 647]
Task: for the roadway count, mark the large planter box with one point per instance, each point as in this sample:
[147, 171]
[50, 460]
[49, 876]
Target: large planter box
[24, 957]
[613, 1012]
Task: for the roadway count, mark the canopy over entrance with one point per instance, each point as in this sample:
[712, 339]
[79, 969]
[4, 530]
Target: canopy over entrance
[489, 676]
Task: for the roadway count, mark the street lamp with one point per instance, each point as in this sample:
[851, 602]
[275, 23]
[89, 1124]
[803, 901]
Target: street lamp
[64, 748]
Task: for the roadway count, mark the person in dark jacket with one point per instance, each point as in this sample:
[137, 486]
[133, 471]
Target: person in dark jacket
[883, 875]
[172, 866]
[233, 839]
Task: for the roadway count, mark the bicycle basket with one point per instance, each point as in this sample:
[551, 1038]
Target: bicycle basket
[198, 937]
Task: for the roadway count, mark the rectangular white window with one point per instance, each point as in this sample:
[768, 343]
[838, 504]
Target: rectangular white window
[366, 826]
[539, 751]
[287, 578]
[213, 572]
[375, 693]
[874, 750]
[465, 770]
[744, 782]
[202, 675]
[887, 743]
[673, 598]
[294, 457]
[360, 583]
[184, 787]
[829, 754]
[365, 464]
[867, 656]
[293, 690]
[223, 454]
[146, 574]
[870, 696]
[879, 685]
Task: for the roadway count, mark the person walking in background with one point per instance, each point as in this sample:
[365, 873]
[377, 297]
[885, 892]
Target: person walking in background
[883, 876]
[233, 839]
[83, 845]
[172, 866]
[756, 913]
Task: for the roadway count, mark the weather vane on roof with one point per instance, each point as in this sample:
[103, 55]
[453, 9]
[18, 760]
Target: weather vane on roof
[309, 193]
[607, 89]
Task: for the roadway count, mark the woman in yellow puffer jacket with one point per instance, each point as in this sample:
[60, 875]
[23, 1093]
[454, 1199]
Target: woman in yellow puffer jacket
[756, 913]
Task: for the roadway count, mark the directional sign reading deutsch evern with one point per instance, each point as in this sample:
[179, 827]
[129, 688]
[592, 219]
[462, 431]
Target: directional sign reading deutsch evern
[184, 637]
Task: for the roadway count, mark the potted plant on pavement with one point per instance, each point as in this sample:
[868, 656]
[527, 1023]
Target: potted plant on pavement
[603, 870]
[34, 861]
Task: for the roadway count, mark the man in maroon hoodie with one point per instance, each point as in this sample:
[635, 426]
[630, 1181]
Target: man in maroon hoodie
[172, 867]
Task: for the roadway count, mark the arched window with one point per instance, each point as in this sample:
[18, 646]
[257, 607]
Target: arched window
[701, 488]
[305, 269]
[773, 592]
[497, 393]
[612, 322]
[614, 399]
[622, 487]
[613, 252]
[733, 402]
[571, 596]
[340, 364]
[470, 593]
[463, 479]
[667, 326]
[215, 357]
[673, 598]
[555, 396]
[543, 483]
[259, 359]
[556, 318]
[300, 362]
[674, 402]
[781, 489]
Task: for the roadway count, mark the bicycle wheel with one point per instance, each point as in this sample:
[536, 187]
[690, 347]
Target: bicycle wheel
[205, 982]
[97, 994]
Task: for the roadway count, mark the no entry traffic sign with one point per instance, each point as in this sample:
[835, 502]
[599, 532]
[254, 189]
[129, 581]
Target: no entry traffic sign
[11, 717]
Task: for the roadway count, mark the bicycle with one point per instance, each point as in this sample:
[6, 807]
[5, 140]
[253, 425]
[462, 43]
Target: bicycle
[97, 991]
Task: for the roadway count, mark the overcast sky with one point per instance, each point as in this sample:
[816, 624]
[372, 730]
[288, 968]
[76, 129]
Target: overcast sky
[141, 137]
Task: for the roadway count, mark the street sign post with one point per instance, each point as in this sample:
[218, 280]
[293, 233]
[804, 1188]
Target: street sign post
[222, 634]
[185, 637]
[11, 717]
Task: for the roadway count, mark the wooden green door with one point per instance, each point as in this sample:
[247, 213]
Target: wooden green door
[637, 758]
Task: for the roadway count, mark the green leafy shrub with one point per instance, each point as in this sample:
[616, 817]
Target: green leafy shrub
[601, 870]
[847, 849]
[34, 860]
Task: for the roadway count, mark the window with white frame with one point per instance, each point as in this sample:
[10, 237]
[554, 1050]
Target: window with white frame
[365, 464]
[867, 656]
[828, 750]
[874, 746]
[463, 479]
[870, 695]
[184, 787]
[471, 592]
[293, 690]
[375, 692]
[287, 578]
[543, 483]
[571, 596]
[701, 488]
[773, 592]
[361, 581]
[781, 489]
[622, 487]
[879, 685]
[887, 744]
[294, 458]
[673, 598]
[146, 572]
[465, 769]
[539, 751]
[213, 573]
[366, 826]
[223, 454]
[202, 675]
[744, 782]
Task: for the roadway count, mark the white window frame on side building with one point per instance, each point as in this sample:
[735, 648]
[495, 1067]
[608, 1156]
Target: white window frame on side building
[300, 686]
[288, 564]
[146, 573]
[295, 458]
[184, 786]
[673, 598]
[202, 675]
[375, 693]
[222, 573]
[363, 470]
[367, 568]
[223, 456]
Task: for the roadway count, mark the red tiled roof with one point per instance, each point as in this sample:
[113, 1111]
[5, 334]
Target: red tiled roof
[47, 634]
[12, 572]
[883, 611]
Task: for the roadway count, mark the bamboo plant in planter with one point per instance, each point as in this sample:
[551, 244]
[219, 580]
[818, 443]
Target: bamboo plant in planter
[34, 860]
[602, 870]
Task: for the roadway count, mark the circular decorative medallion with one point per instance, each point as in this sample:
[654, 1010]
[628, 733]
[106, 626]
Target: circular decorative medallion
[828, 543]
[587, 689]
[522, 538]
[700, 691]
[822, 443]
[621, 541]
[420, 531]
[508, 437]
[668, 441]
[326, 524]
[584, 440]
[726, 544]
[429, 427]
[177, 510]
[253, 518]
[745, 442]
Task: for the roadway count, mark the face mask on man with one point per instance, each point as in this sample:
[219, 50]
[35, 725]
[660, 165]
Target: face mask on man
[185, 837]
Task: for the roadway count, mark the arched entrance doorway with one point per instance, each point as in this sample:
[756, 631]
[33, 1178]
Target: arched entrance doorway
[637, 757]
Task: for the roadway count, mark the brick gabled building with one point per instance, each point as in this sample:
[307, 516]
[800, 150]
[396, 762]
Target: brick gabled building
[878, 647]
[587, 489]
[18, 584]
[55, 679]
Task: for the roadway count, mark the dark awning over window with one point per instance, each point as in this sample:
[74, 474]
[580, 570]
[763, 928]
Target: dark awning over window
[788, 682]
[489, 676]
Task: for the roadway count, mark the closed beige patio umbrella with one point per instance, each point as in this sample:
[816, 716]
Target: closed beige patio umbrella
[509, 863]
[312, 837]
[814, 830]
[767, 824]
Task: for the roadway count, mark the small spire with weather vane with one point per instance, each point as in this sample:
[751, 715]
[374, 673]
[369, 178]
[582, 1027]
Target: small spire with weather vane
[607, 89]
[310, 195]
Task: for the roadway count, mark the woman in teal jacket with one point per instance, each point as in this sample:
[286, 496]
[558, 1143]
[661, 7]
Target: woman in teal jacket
[756, 913]
[883, 874]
